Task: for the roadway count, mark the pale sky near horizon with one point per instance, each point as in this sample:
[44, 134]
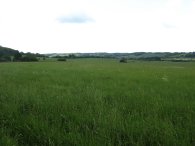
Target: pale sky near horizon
[67, 26]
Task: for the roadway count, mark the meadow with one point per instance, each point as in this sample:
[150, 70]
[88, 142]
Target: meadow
[97, 102]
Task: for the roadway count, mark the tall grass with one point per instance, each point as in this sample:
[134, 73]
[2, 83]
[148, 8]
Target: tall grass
[97, 102]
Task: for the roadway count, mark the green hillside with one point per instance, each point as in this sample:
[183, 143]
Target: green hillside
[7, 51]
[8, 54]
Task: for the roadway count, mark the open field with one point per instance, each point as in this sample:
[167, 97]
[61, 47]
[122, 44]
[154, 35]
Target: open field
[97, 102]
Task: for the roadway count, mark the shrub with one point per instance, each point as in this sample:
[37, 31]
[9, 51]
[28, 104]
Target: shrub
[29, 58]
[123, 60]
[61, 59]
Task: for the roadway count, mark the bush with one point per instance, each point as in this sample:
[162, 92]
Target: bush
[71, 56]
[29, 58]
[61, 59]
[123, 60]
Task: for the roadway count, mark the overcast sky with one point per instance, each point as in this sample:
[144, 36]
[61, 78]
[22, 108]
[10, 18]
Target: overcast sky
[47, 26]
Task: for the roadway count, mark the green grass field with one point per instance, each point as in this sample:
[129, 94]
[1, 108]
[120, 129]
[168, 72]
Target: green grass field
[89, 102]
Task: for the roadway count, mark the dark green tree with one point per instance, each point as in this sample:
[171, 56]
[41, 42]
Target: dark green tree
[17, 56]
[123, 60]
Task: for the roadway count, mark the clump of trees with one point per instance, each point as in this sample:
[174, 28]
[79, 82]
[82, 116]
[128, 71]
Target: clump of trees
[8, 54]
[5, 58]
[28, 57]
[123, 60]
[71, 56]
[61, 59]
[190, 55]
[17, 56]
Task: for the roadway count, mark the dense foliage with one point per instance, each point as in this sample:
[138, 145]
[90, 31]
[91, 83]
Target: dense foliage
[6, 55]
[7, 51]
[61, 59]
[28, 57]
[123, 60]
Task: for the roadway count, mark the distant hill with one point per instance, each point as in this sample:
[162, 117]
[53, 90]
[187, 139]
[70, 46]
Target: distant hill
[136, 55]
[4, 51]
[8, 54]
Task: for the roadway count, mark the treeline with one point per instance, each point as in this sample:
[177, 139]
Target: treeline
[25, 57]
[123, 57]
[8, 55]
[134, 56]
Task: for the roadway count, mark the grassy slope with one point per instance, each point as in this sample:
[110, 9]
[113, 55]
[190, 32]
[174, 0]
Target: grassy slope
[97, 102]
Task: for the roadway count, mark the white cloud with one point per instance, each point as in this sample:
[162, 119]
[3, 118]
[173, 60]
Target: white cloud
[75, 18]
[118, 26]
